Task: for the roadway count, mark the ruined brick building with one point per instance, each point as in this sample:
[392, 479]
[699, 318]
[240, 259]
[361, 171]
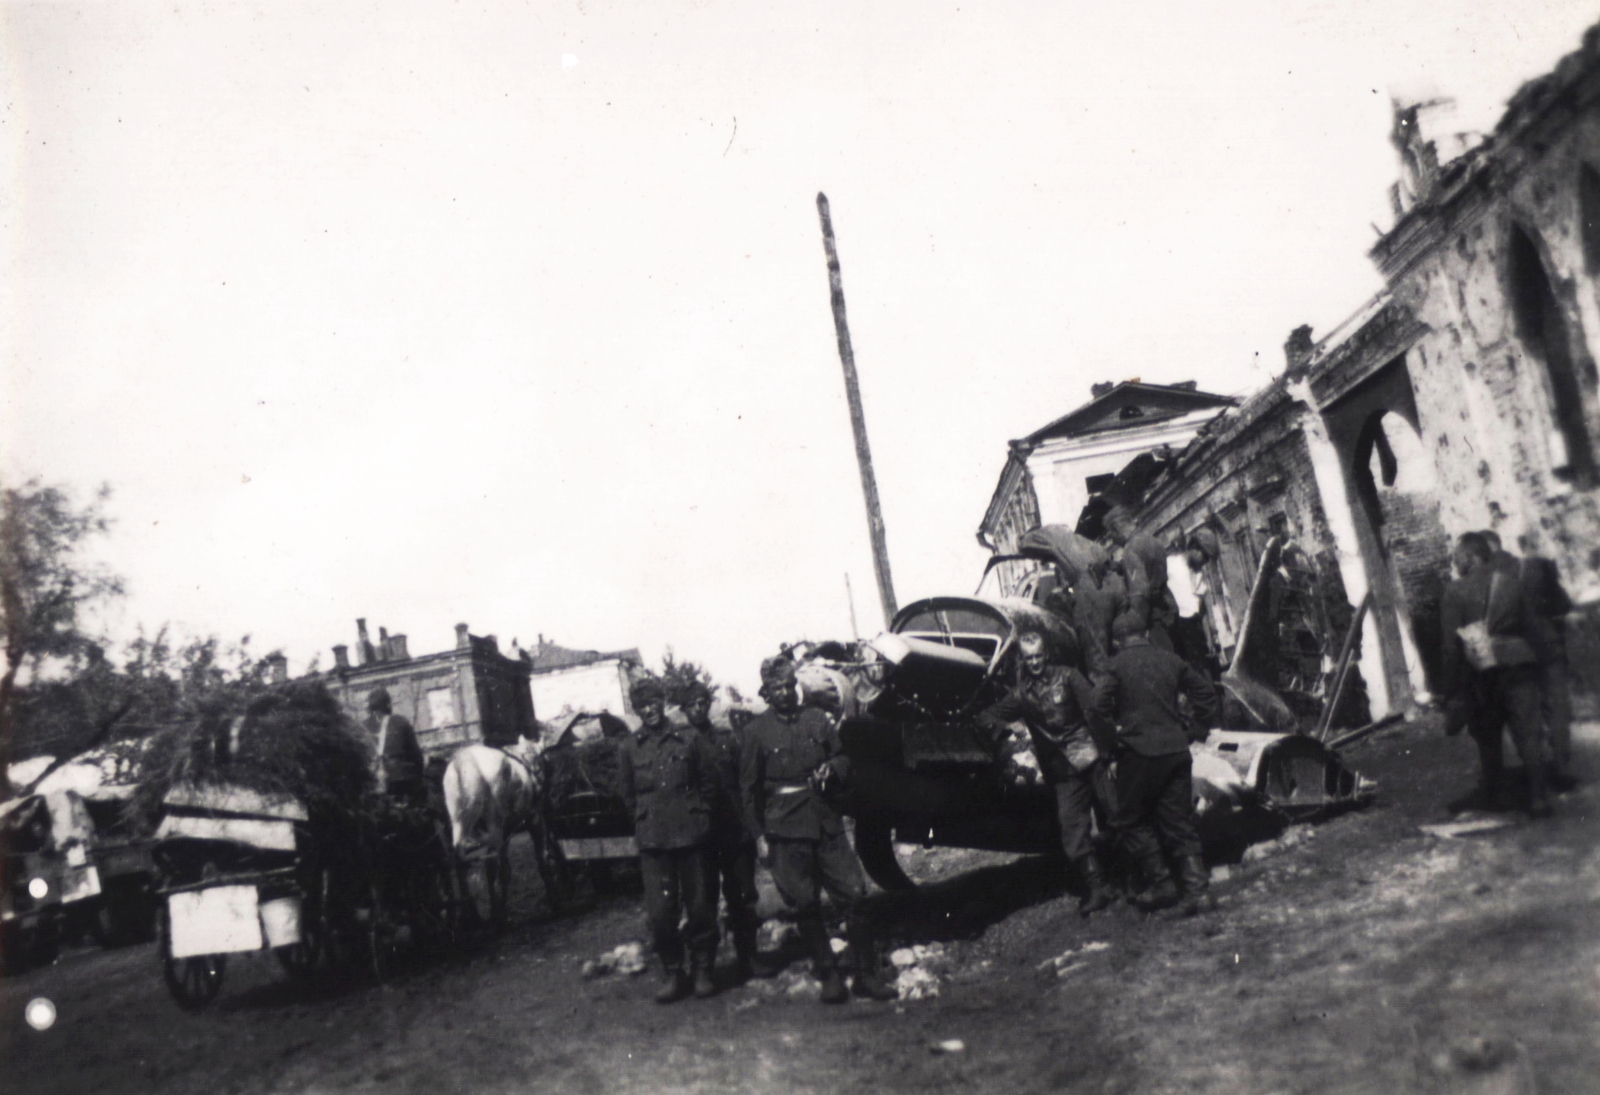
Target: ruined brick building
[1463, 396]
[468, 693]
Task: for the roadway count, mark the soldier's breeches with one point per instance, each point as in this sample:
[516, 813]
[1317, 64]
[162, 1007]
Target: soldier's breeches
[735, 867]
[677, 887]
[803, 869]
[1155, 794]
[1076, 795]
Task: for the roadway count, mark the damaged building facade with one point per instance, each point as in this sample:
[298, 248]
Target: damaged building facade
[468, 693]
[1463, 396]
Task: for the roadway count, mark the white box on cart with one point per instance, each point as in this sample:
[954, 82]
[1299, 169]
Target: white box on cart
[219, 920]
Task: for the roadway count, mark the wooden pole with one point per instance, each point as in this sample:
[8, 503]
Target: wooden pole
[850, 596]
[858, 421]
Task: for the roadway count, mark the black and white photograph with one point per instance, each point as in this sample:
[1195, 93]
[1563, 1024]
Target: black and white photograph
[701, 548]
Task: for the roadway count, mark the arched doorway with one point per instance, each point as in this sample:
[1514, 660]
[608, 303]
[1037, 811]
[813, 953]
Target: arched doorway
[1398, 487]
[1542, 329]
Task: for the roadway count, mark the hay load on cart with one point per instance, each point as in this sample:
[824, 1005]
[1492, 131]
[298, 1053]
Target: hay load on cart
[268, 838]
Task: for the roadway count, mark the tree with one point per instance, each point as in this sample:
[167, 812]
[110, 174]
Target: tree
[677, 676]
[46, 584]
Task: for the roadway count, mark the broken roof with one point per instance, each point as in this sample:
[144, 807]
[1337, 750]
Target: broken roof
[549, 656]
[1130, 405]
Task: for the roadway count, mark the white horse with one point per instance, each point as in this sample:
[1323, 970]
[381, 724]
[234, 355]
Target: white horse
[492, 794]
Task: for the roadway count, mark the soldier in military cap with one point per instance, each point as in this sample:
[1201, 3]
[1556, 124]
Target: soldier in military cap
[1053, 699]
[790, 761]
[733, 847]
[668, 775]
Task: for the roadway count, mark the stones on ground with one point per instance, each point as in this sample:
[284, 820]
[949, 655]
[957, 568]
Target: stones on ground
[1469, 827]
[918, 969]
[949, 1045]
[627, 959]
[1069, 961]
[1288, 839]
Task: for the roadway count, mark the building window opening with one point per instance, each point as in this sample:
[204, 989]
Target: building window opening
[1543, 331]
[1589, 217]
[1132, 412]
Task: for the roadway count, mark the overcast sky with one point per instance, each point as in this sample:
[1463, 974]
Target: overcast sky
[516, 314]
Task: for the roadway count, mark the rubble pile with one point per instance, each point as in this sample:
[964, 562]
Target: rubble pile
[918, 969]
[628, 959]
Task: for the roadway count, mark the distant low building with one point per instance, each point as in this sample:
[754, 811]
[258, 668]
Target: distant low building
[469, 693]
[564, 680]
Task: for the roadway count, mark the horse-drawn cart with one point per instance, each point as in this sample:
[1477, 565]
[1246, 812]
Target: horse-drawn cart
[244, 871]
[588, 819]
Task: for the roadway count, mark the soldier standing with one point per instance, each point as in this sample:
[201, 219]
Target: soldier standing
[397, 758]
[1493, 670]
[791, 758]
[1053, 700]
[1154, 788]
[733, 847]
[668, 775]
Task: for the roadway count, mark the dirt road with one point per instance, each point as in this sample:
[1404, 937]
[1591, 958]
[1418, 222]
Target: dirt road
[1359, 955]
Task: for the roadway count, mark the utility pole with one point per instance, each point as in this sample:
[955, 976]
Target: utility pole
[858, 421]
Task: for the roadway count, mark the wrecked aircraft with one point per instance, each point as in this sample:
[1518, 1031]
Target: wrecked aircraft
[907, 702]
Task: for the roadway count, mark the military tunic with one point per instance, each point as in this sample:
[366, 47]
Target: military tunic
[668, 776]
[810, 850]
[1154, 788]
[733, 847]
[1054, 707]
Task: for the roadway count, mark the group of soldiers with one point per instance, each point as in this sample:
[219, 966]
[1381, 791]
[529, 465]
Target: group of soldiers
[708, 802]
[1110, 732]
[1505, 669]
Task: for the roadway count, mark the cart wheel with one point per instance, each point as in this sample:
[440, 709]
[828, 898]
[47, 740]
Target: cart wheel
[300, 960]
[433, 912]
[382, 935]
[193, 982]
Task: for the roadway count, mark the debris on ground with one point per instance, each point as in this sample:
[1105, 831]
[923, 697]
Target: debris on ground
[1288, 839]
[918, 969]
[949, 1045]
[1469, 827]
[627, 959]
[1068, 961]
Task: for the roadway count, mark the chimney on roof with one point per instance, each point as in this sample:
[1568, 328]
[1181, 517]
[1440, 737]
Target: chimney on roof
[1297, 351]
[394, 649]
[341, 656]
[277, 667]
[364, 644]
[1098, 390]
[463, 640]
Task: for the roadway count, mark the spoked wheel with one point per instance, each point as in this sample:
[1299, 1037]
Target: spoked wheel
[875, 849]
[300, 960]
[382, 941]
[195, 981]
[433, 906]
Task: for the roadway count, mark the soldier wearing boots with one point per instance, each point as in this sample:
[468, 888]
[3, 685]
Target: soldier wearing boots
[1052, 699]
[1153, 788]
[733, 848]
[791, 759]
[668, 776]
